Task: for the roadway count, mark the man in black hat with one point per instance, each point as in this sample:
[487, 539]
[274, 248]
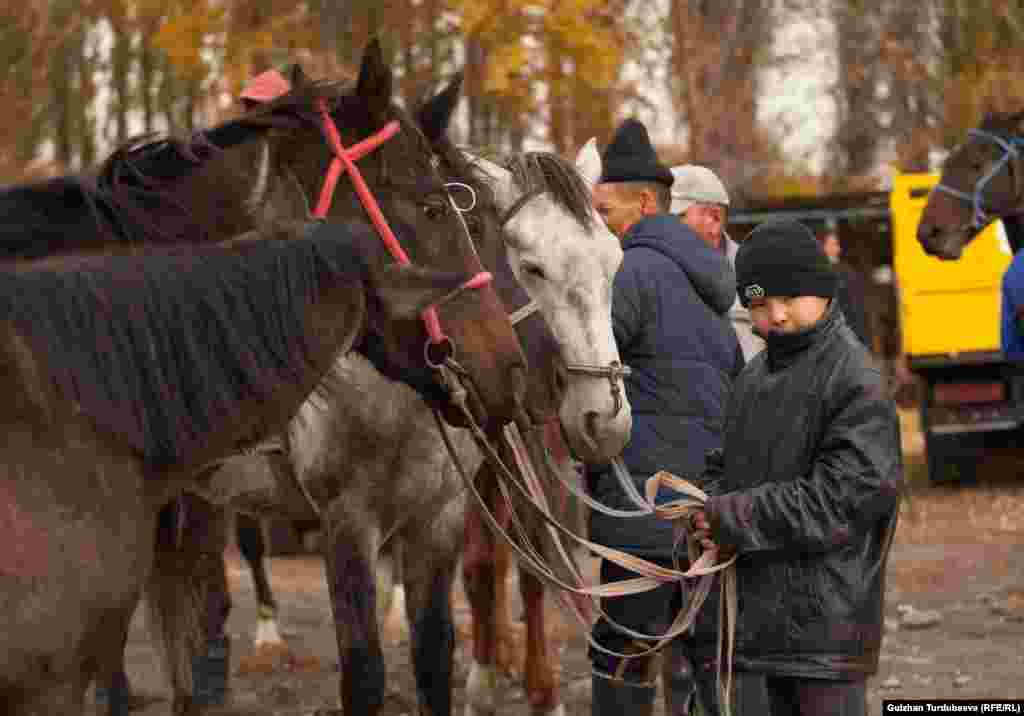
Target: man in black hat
[669, 309]
[808, 486]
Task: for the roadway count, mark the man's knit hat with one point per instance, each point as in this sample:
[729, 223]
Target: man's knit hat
[695, 184]
[782, 258]
[631, 157]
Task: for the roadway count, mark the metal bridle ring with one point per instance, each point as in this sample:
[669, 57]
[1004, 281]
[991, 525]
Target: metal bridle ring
[472, 196]
[438, 354]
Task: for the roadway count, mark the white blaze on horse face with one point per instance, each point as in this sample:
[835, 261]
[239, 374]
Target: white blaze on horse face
[569, 270]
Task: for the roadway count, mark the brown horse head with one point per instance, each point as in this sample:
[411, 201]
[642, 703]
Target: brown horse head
[982, 180]
[472, 191]
[414, 199]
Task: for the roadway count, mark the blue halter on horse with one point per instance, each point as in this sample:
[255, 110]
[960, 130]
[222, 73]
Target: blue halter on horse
[1011, 147]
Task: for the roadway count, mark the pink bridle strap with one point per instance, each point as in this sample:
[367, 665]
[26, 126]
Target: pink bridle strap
[345, 161]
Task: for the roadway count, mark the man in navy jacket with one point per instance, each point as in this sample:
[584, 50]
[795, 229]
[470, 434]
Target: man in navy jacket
[669, 308]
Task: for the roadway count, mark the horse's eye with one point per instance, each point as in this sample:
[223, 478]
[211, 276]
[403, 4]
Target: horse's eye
[435, 212]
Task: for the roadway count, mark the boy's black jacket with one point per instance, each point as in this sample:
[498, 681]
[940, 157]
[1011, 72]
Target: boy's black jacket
[812, 445]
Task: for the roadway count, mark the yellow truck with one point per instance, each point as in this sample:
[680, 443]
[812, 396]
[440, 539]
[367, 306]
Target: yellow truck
[949, 319]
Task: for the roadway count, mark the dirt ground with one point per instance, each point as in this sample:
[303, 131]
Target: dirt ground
[954, 613]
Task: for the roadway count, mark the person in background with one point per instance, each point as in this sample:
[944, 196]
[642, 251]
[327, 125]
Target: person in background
[700, 201]
[669, 305]
[1012, 319]
[851, 292]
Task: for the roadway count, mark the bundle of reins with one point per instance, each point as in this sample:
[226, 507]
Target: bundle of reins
[703, 565]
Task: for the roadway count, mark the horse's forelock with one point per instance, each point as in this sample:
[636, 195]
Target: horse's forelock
[558, 178]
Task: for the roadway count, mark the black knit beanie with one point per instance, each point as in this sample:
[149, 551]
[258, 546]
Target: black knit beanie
[782, 258]
[631, 157]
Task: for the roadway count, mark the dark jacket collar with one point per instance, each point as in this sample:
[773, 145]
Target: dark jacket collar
[709, 271]
[784, 349]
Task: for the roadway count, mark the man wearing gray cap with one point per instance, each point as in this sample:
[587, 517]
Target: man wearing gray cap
[700, 201]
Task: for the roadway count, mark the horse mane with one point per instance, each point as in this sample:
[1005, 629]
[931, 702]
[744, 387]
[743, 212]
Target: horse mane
[130, 197]
[551, 174]
[162, 348]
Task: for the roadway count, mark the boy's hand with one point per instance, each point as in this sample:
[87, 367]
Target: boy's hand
[699, 520]
[703, 528]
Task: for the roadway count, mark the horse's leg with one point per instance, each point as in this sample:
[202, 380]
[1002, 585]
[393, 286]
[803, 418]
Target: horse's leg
[428, 575]
[350, 554]
[189, 602]
[479, 582]
[113, 692]
[541, 681]
[249, 535]
[391, 601]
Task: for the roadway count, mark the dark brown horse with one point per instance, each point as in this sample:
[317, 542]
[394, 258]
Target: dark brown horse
[123, 376]
[982, 180]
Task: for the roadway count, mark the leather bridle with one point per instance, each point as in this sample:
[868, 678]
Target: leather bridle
[615, 372]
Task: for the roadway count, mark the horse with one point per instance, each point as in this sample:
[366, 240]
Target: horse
[133, 370]
[560, 262]
[150, 194]
[982, 180]
[532, 217]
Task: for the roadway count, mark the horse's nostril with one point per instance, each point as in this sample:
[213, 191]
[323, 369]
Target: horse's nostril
[561, 379]
[591, 425]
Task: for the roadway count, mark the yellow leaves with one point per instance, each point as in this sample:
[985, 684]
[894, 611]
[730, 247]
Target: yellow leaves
[187, 36]
[505, 64]
[593, 48]
[522, 36]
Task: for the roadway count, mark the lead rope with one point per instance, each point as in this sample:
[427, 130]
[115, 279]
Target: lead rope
[703, 567]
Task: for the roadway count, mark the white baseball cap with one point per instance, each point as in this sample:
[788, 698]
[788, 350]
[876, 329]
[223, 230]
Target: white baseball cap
[695, 184]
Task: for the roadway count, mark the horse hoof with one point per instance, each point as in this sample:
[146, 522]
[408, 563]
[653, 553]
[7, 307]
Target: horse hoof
[556, 710]
[481, 691]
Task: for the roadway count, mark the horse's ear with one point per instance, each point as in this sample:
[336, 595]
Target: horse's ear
[499, 177]
[376, 83]
[436, 114]
[297, 76]
[404, 290]
[588, 162]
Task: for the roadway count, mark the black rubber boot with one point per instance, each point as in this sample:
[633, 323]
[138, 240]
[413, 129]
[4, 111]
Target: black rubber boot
[620, 698]
[211, 672]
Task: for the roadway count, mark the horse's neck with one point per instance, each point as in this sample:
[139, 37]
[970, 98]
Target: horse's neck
[229, 193]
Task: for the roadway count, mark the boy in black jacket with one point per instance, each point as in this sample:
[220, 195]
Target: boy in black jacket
[809, 486]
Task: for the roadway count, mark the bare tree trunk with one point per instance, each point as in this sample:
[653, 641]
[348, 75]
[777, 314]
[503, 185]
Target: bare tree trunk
[62, 102]
[148, 62]
[120, 69]
[558, 112]
[858, 127]
[474, 83]
[911, 106]
[715, 62]
[85, 119]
